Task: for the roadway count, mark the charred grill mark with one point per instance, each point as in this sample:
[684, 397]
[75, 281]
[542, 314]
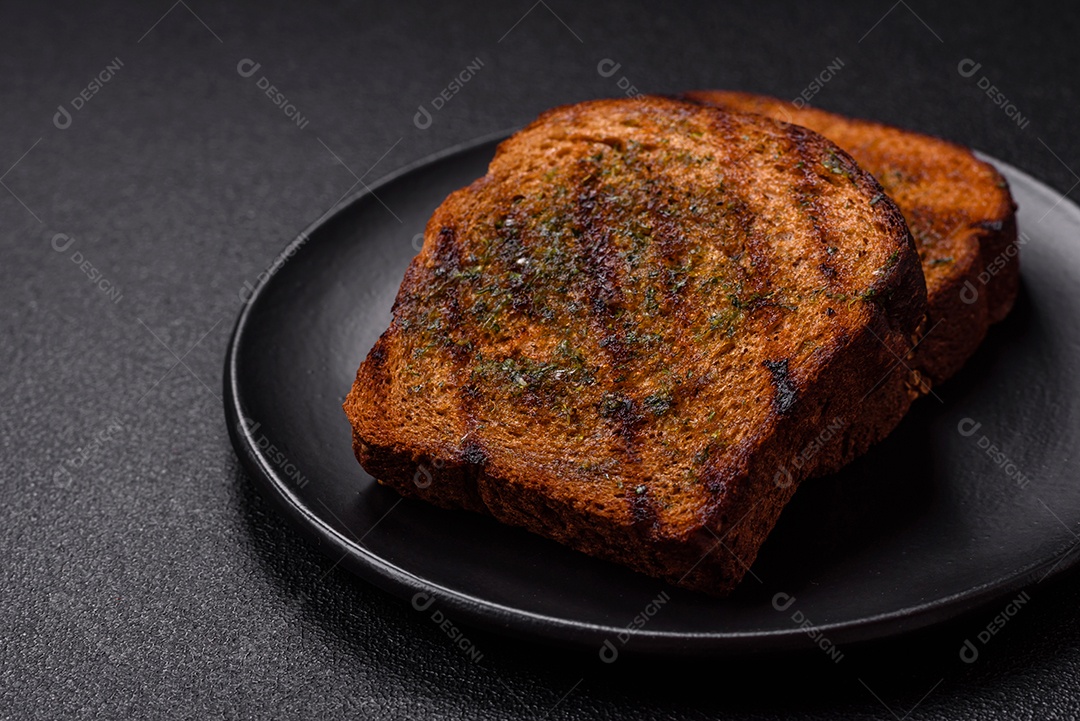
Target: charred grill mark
[666, 294]
[668, 250]
[724, 124]
[376, 365]
[452, 333]
[455, 336]
[473, 453]
[447, 253]
[377, 354]
[784, 393]
[521, 298]
[643, 512]
[599, 254]
[753, 257]
[670, 241]
[411, 291]
[759, 277]
[511, 250]
[600, 264]
[718, 478]
[470, 397]
[738, 210]
[624, 412]
[805, 193]
[603, 283]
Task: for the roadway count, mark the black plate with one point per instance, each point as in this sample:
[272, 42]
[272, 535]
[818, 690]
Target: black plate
[931, 523]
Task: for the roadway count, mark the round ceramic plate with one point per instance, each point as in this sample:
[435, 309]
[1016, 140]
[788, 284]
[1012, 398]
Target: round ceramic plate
[974, 496]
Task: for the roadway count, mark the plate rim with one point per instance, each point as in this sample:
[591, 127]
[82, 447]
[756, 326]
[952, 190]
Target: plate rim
[531, 626]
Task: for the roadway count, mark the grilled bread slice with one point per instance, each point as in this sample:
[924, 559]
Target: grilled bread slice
[958, 209]
[632, 333]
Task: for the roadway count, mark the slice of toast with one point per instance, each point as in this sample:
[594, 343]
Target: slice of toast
[631, 335]
[959, 210]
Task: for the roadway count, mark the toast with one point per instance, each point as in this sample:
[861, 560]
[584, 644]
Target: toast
[958, 208]
[630, 335]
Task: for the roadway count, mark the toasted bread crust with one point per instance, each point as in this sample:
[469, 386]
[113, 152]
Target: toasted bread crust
[630, 335]
[959, 210]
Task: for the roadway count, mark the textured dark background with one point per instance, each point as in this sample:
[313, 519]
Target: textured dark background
[140, 571]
